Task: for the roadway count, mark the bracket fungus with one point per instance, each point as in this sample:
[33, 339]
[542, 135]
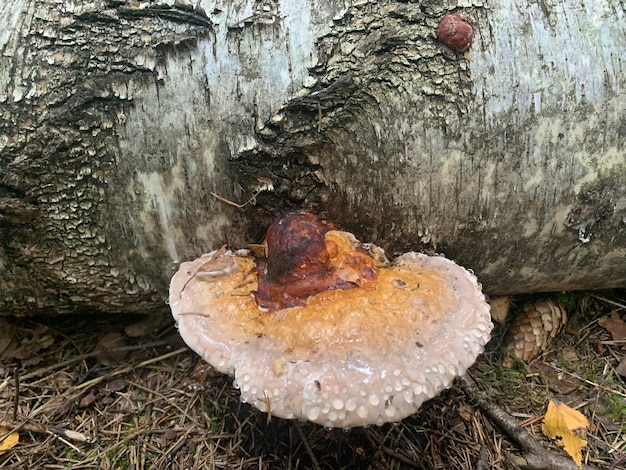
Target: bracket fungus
[321, 327]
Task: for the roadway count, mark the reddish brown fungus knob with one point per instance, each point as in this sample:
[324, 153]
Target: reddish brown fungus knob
[301, 262]
[455, 32]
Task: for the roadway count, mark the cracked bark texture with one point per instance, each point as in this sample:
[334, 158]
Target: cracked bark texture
[118, 119]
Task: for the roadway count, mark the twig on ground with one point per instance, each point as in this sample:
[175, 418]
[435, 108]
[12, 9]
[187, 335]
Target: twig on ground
[128, 369]
[67, 443]
[399, 457]
[62, 365]
[16, 394]
[5, 384]
[537, 457]
[164, 460]
[618, 463]
[41, 429]
[28, 420]
[608, 301]
[307, 446]
[266, 184]
[593, 384]
[483, 463]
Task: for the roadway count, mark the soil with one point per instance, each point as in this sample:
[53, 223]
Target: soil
[125, 393]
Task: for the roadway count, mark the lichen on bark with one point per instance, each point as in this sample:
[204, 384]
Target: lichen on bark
[66, 71]
[120, 119]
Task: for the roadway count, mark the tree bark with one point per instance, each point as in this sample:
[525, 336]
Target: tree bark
[120, 118]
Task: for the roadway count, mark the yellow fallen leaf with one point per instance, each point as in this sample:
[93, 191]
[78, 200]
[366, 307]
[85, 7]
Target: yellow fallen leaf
[560, 422]
[9, 441]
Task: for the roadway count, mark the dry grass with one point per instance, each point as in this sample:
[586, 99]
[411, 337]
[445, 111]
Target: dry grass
[156, 405]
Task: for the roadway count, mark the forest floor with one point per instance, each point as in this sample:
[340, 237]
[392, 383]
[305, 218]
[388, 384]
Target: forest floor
[125, 393]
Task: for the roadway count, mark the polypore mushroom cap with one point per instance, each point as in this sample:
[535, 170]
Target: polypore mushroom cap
[366, 355]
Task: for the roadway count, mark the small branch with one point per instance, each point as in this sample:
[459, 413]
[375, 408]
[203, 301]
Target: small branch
[16, 401]
[76, 388]
[5, 384]
[38, 428]
[307, 446]
[48, 370]
[618, 463]
[608, 301]
[401, 458]
[128, 369]
[266, 184]
[234, 204]
[589, 382]
[537, 457]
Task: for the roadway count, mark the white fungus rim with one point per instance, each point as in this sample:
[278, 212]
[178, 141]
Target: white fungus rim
[358, 386]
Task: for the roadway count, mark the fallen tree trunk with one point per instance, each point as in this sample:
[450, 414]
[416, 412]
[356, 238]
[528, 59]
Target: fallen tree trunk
[119, 119]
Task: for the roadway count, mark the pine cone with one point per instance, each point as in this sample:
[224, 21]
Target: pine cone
[534, 330]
